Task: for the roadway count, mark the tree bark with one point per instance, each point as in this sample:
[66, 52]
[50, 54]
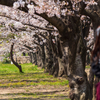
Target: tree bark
[43, 56]
[7, 2]
[15, 63]
[62, 59]
[79, 85]
[49, 58]
[77, 77]
[96, 80]
[35, 58]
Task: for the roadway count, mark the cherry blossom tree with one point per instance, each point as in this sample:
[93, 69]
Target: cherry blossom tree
[65, 16]
[27, 40]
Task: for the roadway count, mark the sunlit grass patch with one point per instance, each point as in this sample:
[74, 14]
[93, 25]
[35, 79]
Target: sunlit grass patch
[11, 68]
[64, 82]
[10, 76]
[33, 77]
[39, 95]
[22, 83]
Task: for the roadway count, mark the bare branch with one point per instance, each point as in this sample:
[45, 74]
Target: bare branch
[30, 48]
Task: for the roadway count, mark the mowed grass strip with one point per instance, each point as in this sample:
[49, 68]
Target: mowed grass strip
[38, 95]
[32, 76]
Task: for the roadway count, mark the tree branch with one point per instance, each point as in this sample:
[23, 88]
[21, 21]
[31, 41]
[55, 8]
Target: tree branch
[87, 12]
[30, 48]
[7, 2]
[14, 15]
[57, 22]
[31, 26]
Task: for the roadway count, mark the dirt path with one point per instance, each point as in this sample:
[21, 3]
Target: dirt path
[34, 93]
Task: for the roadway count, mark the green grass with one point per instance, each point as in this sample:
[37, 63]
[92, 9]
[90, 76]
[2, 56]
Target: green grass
[31, 76]
[10, 68]
[88, 66]
[10, 77]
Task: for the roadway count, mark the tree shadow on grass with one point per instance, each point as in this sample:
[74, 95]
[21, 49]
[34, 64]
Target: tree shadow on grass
[36, 96]
[42, 98]
[23, 99]
[22, 73]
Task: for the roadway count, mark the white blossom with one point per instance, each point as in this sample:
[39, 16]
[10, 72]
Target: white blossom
[30, 6]
[31, 11]
[22, 4]
[16, 5]
[18, 24]
[44, 40]
[53, 40]
[41, 43]
[64, 11]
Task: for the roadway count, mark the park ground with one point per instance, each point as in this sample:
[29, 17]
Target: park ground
[33, 84]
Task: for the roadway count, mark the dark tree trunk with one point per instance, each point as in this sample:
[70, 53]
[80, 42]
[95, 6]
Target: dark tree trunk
[15, 63]
[55, 67]
[62, 59]
[39, 60]
[35, 59]
[49, 58]
[43, 56]
[55, 64]
[7, 2]
[77, 77]
[74, 45]
[31, 57]
[90, 79]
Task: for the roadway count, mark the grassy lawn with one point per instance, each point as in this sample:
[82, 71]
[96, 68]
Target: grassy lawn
[33, 84]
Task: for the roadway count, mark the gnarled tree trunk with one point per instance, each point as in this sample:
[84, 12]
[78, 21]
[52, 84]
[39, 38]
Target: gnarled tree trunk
[15, 63]
[78, 82]
[79, 86]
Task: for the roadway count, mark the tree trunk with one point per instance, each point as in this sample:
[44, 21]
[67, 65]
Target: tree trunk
[96, 80]
[49, 58]
[7, 2]
[35, 58]
[43, 56]
[79, 86]
[31, 56]
[54, 66]
[91, 79]
[15, 63]
[39, 60]
[62, 58]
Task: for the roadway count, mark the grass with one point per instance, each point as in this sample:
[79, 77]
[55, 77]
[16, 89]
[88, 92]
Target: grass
[32, 76]
[88, 66]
